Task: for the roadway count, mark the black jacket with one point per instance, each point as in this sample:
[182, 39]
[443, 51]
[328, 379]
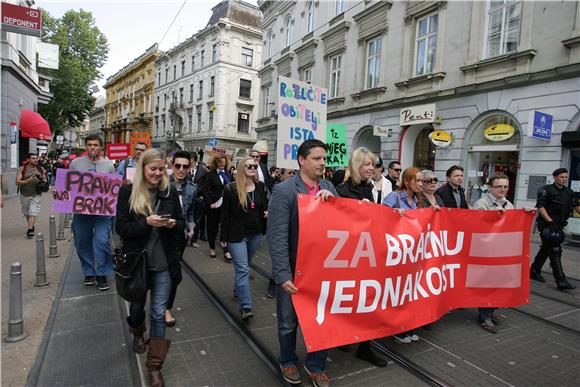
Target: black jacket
[200, 174]
[232, 215]
[446, 194]
[349, 190]
[213, 188]
[134, 230]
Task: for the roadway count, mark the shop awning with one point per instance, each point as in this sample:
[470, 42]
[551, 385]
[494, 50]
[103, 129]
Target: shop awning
[32, 125]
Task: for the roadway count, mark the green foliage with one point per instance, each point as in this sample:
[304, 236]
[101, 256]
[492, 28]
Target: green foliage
[83, 51]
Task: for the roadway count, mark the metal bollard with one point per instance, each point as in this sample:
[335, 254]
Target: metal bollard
[67, 220]
[52, 248]
[60, 235]
[15, 321]
[40, 266]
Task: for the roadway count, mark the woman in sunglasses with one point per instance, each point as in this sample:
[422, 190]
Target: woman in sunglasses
[430, 199]
[243, 222]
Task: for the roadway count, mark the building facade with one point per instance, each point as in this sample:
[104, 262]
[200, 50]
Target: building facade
[97, 117]
[129, 101]
[207, 88]
[23, 87]
[398, 71]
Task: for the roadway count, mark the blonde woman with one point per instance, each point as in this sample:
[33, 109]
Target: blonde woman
[149, 218]
[243, 222]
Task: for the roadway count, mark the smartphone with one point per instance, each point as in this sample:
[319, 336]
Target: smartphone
[166, 216]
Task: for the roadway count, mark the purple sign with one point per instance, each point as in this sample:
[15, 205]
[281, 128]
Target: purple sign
[83, 192]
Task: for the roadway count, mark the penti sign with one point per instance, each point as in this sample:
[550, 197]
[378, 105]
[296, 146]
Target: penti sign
[21, 20]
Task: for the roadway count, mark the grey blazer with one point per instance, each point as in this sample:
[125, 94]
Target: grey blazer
[283, 225]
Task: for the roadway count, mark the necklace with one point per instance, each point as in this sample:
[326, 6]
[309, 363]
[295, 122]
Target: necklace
[251, 196]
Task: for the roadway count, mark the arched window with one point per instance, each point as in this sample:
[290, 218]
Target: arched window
[269, 38]
[289, 26]
[311, 16]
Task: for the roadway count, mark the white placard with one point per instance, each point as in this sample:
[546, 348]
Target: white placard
[47, 55]
[479, 173]
[575, 185]
[422, 114]
[472, 173]
[13, 155]
[301, 116]
[130, 173]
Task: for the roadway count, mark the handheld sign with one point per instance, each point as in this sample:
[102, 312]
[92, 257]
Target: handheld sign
[301, 117]
[88, 193]
[336, 147]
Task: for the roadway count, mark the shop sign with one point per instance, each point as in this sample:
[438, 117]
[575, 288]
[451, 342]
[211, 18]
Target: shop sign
[21, 20]
[441, 138]
[540, 125]
[499, 132]
[423, 114]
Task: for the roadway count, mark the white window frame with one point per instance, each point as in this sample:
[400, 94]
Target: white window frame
[210, 121]
[376, 60]
[503, 31]
[247, 56]
[338, 7]
[426, 39]
[306, 75]
[335, 74]
[266, 92]
[289, 29]
[269, 38]
[310, 16]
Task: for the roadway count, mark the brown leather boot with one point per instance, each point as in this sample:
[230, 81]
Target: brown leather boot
[158, 348]
[139, 345]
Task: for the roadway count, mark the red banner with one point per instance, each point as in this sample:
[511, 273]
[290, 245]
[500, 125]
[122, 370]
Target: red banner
[118, 151]
[367, 272]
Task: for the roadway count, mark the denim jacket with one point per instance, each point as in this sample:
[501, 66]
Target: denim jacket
[187, 193]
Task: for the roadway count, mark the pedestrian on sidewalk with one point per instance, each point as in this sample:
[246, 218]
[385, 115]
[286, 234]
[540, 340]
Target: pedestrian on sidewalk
[213, 190]
[243, 222]
[28, 178]
[197, 174]
[92, 233]
[149, 218]
[187, 191]
[131, 162]
[555, 205]
[283, 243]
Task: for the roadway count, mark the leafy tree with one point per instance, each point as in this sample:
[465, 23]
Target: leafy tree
[83, 51]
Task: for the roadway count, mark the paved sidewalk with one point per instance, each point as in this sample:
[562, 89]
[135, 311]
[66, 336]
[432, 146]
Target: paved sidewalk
[17, 358]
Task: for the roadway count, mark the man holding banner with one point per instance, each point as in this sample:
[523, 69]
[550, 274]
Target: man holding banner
[92, 232]
[283, 242]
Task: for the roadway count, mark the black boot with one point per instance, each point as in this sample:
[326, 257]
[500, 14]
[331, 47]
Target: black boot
[536, 275]
[536, 268]
[561, 281]
[364, 352]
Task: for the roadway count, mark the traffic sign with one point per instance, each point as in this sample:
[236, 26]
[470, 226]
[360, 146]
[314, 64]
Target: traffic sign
[212, 142]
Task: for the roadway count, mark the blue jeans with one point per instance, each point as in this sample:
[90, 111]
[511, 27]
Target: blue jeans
[92, 236]
[287, 329]
[159, 288]
[242, 253]
[485, 314]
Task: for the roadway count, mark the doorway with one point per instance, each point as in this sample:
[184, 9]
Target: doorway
[483, 164]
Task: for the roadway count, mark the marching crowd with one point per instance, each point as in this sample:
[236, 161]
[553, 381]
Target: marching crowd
[161, 210]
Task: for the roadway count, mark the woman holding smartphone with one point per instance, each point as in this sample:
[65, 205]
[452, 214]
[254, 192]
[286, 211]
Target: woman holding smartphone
[149, 218]
[243, 222]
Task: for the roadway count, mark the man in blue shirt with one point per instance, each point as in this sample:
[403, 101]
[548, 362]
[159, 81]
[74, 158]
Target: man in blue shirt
[131, 162]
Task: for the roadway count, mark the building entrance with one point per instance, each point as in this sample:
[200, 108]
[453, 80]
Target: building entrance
[482, 165]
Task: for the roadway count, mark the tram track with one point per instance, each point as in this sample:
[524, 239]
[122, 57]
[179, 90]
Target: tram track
[408, 365]
[264, 355]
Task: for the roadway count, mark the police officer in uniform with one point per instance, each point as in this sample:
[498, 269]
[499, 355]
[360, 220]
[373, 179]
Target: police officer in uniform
[555, 204]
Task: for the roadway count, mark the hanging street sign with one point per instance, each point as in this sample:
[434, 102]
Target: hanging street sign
[21, 20]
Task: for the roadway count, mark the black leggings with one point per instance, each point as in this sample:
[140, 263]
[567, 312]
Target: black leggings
[213, 225]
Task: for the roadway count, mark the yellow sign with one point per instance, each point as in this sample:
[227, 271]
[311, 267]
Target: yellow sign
[441, 138]
[499, 132]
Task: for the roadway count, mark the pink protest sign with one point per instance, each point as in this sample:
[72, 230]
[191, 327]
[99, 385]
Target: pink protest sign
[83, 192]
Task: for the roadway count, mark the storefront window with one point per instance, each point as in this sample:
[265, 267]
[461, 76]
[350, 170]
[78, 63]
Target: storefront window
[424, 151]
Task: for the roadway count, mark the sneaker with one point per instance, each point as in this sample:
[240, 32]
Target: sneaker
[102, 283]
[403, 339]
[89, 280]
[291, 374]
[488, 326]
[30, 233]
[271, 290]
[195, 244]
[414, 337]
[246, 313]
[319, 379]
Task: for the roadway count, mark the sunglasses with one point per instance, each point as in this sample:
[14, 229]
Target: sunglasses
[251, 166]
[180, 166]
[397, 169]
[255, 157]
[429, 181]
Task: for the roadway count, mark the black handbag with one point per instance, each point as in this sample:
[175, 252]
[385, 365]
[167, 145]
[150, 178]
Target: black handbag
[131, 274]
[42, 186]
